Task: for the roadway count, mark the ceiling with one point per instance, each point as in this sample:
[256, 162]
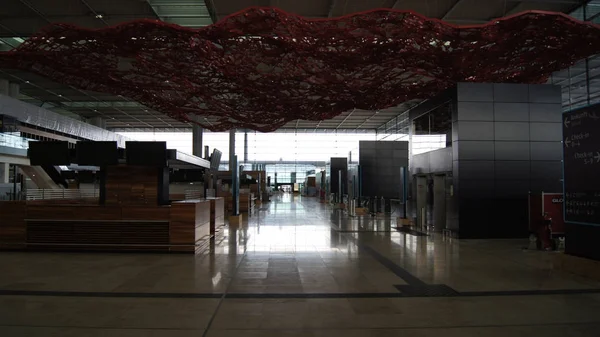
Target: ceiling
[20, 19]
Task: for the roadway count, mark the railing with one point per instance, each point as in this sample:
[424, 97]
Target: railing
[13, 141]
[193, 194]
[47, 194]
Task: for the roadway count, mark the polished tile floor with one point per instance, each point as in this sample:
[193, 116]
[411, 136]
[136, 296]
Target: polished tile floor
[300, 269]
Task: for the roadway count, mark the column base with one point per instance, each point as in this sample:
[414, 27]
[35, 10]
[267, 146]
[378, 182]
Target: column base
[235, 220]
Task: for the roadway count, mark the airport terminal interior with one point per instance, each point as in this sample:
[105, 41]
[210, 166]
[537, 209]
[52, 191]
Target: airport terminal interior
[299, 168]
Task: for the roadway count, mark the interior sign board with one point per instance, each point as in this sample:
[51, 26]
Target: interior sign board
[581, 150]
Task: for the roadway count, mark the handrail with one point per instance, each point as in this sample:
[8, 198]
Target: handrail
[13, 141]
[48, 194]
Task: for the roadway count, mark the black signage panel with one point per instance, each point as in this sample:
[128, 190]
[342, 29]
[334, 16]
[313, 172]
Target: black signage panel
[51, 153]
[581, 146]
[97, 153]
[146, 153]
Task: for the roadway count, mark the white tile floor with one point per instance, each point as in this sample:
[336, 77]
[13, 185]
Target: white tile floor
[291, 248]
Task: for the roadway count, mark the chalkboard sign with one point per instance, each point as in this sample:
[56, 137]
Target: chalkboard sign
[581, 146]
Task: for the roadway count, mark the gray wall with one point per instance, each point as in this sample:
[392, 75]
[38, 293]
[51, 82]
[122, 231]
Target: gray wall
[380, 163]
[506, 142]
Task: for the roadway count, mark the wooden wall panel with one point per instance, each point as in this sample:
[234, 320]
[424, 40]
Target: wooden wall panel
[132, 185]
[73, 212]
[146, 212]
[87, 233]
[190, 222]
[13, 232]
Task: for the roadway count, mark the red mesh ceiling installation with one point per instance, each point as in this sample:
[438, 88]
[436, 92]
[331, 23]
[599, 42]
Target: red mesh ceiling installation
[261, 68]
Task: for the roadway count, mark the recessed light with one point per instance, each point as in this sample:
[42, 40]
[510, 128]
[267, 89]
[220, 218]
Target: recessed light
[99, 16]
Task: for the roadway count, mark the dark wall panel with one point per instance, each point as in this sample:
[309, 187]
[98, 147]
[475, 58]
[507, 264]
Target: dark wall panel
[476, 111]
[475, 169]
[511, 131]
[511, 112]
[545, 112]
[513, 169]
[474, 150]
[496, 163]
[546, 132]
[505, 92]
[546, 151]
[475, 92]
[380, 163]
[468, 130]
[511, 150]
[339, 165]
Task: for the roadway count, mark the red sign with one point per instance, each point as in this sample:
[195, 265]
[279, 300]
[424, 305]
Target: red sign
[552, 203]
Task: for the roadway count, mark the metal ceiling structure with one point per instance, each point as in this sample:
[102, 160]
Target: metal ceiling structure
[22, 18]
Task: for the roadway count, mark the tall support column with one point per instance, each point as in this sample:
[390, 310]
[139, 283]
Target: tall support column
[14, 90]
[4, 173]
[245, 146]
[235, 188]
[197, 132]
[232, 163]
[4, 87]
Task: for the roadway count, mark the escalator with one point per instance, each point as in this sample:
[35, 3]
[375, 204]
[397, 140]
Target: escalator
[54, 172]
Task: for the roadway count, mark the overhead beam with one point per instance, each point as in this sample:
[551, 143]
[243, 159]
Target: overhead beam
[332, 5]
[212, 10]
[97, 15]
[35, 10]
[451, 10]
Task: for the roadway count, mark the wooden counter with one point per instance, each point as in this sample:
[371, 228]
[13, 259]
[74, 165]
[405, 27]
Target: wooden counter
[39, 225]
[190, 224]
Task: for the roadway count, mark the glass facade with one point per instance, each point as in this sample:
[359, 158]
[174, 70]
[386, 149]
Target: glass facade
[289, 154]
[581, 82]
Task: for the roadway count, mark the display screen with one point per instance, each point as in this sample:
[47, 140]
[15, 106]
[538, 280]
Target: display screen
[97, 153]
[215, 160]
[49, 153]
[146, 153]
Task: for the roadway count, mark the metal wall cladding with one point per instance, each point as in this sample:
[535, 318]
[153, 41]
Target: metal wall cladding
[497, 162]
[380, 163]
[30, 114]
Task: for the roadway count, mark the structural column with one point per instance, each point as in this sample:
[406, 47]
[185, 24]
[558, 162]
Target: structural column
[245, 146]
[232, 150]
[4, 87]
[4, 173]
[14, 90]
[197, 133]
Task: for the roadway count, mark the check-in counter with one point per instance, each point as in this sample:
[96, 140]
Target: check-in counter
[190, 224]
[182, 226]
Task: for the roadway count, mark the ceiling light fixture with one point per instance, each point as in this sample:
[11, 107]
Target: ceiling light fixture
[99, 16]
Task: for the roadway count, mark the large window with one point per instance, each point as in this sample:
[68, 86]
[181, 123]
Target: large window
[276, 147]
[581, 82]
